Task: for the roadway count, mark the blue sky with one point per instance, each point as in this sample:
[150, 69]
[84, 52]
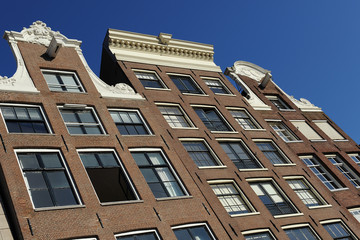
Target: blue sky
[311, 47]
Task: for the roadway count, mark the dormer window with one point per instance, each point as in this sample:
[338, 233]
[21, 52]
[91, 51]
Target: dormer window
[279, 103]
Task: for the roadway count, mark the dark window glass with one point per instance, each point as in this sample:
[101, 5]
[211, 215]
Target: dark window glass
[216, 86]
[185, 84]
[107, 177]
[200, 154]
[63, 82]
[193, 233]
[211, 119]
[243, 119]
[47, 179]
[129, 123]
[140, 236]
[271, 153]
[157, 174]
[303, 233]
[24, 119]
[81, 121]
[338, 231]
[239, 155]
[174, 116]
[149, 79]
[304, 192]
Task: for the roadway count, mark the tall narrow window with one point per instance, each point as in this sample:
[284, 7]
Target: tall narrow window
[174, 116]
[244, 119]
[200, 153]
[321, 172]
[233, 201]
[47, 178]
[216, 86]
[274, 201]
[139, 235]
[283, 131]
[107, 176]
[24, 119]
[301, 233]
[345, 169]
[240, 156]
[82, 121]
[60, 81]
[185, 84]
[158, 174]
[212, 120]
[272, 153]
[149, 79]
[305, 192]
[129, 122]
[337, 230]
[193, 232]
[278, 102]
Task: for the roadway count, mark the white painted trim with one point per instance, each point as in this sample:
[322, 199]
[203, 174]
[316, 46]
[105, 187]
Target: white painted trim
[248, 232]
[189, 225]
[73, 73]
[187, 118]
[221, 83]
[165, 87]
[138, 232]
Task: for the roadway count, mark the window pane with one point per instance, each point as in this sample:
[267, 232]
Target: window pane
[193, 233]
[129, 123]
[63, 82]
[304, 233]
[81, 122]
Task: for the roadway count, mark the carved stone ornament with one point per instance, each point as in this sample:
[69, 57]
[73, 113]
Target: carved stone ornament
[250, 70]
[304, 104]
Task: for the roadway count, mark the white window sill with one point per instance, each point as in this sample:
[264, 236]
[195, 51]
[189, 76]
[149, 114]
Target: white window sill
[218, 132]
[284, 164]
[58, 208]
[90, 135]
[212, 167]
[286, 110]
[295, 141]
[186, 128]
[317, 140]
[69, 92]
[252, 169]
[245, 214]
[160, 89]
[196, 94]
[321, 206]
[146, 135]
[340, 140]
[37, 134]
[339, 189]
[289, 215]
[256, 129]
[225, 94]
[121, 202]
[174, 198]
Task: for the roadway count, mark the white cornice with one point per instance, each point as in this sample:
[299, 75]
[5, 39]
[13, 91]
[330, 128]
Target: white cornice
[161, 50]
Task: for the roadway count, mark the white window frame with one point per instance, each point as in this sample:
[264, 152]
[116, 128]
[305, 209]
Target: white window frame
[79, 107]
[341, 138]
[232, 130]
[284, 129]
[247, 202]
[138, 232]
[355, 215]
[357, 156]
[324, 222]
[126, 175]
[252, 119]
[324, 204]
[289, 162]
[254, 231]
[186, 193]
[282, 193]
[192, 125]
[211, 151]
[202, 93]
[274, 97]
[345, 168]
[77, 79]
[195, 225]
[247, 149]
[302, 225]
[139, 114]
[221, 83]
[69, 175]
[164, 86]
[46, 121]
[320, 139]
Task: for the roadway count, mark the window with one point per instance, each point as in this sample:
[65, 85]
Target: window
[24, 119]
[305, 129]
[274, 201]
[356, 213]
[306, 192]
[107, 176]
[47, 178]
[60, 81]
[201, 154]
[216, 86]
[301, 233]
[272, 153]
[355, 157]
[175, 116]
[345, 169]
[193, 232]
[283, 131]
[129, 122]
[185, 84]
[240, 155]
[139, 235]
[263, 235]
[338, 230]
[149, 79]
[81, 121]
[329, 130]
[231, 198]
[323, 174]
[212, 120]
[244, 119]
[278, 102]
[158, 174]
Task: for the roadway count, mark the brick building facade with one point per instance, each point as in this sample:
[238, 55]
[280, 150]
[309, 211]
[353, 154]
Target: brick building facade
[163, 146]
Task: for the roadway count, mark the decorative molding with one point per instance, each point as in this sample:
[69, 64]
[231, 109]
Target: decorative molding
[161, 50]
[250, 70]
[304, 104]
